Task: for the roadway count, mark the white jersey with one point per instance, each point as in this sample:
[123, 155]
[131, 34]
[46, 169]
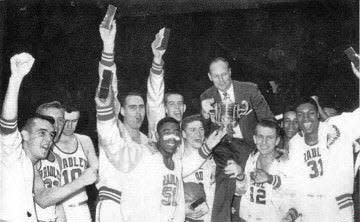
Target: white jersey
[263, 202]
[326, 170]
[16, 176]
[205, 176]
[72, 165]
[49, 171]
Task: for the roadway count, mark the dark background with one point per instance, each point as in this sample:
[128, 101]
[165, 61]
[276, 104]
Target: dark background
[297, 43]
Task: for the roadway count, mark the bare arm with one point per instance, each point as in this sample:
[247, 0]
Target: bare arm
[46, 197]
[90, 152]
[60, 213]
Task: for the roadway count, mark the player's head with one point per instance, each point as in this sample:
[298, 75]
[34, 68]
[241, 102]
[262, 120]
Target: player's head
[330, 112]
[133, 109]
[57, 112]
[72, 115]
[193, 131]
[38, 134]
[168, 135]
[174, 105]
[267, 136]
[220, 74]
[290, 123]
[308, 116]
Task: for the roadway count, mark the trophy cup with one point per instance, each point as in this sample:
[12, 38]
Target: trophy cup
[227, 114]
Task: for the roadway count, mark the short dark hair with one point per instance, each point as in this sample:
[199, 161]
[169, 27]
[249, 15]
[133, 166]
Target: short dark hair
[306, 100]
[53, 104]
[289, 108]
[123, 98]
[218, 59]
[71, 107]
[189, 119]
[171, 93]
[165, 120]
[31, 121]
[269, 123]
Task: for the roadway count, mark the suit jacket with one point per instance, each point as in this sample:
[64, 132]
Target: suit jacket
[249, 92]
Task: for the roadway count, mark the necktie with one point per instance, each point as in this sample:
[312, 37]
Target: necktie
[226, 96]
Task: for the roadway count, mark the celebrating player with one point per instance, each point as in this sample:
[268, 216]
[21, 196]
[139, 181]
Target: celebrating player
[263, 174]
[158, 105]
[321, 163]
[19, 180]
[194, 135]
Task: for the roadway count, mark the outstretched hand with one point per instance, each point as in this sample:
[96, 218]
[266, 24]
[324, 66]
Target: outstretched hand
[21, 64]
[157, 41]
[206, 107]
[215, 137]
[108, 35]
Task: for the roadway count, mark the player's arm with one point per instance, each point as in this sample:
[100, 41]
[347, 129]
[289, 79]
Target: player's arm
[46, 197]
[260, 105]
[60, 213]
[262, 176]
[155, 109]
[90, 152]
[20, 65]
[198, 158]
[323, 115]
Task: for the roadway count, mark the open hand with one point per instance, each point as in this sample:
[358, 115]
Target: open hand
[261, 176]
[206, 107]
[215, 137]
[21, 64]
[108, 36]
[232, 169]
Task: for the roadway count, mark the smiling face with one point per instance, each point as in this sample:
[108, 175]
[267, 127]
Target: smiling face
[133, 111]
[290, 124]
[175, 106]
[308, 118]
[220, 75]
[169, 137]
[58, 116]
[194, 134]
[266, 139]
[38, 139]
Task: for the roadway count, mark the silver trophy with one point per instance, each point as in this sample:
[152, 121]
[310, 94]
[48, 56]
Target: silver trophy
[227, 114]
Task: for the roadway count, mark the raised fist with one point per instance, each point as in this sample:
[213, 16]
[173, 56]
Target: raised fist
[21, 64]
[108, 36]
[89, 176]
[104, 102]
[157, 41]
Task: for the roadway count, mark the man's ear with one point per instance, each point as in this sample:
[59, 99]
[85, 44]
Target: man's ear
[25, 135]
[157, 136]
[184, 107]
[122, 111]
[183, 134]
[230, 72]
[277, 140]
[209, 75]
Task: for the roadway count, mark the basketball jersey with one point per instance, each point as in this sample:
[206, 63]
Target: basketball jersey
[72, 165]
[262, 202]
[205, 176]
[153, 192]
[49, 171]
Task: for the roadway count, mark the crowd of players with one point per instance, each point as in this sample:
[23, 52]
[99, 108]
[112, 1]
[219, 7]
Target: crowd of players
[185, 169]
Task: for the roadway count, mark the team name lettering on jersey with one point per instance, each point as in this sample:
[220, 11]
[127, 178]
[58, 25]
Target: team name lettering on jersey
[51, 176]
[74, 162]
[312, 158]
[170, 190]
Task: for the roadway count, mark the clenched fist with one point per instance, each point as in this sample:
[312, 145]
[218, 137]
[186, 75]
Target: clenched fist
[21, 64]
[157, 41]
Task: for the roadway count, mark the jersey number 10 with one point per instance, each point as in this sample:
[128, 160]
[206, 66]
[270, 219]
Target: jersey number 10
[74, 174]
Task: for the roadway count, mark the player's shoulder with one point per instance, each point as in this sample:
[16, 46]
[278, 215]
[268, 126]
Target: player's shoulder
[209, 93]
[82, 136]
[246, 85]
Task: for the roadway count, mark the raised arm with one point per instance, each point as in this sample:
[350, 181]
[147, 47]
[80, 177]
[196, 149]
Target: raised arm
[323, 115]
[46, 197]
[198, 159]
[155, 89]
[10, 139]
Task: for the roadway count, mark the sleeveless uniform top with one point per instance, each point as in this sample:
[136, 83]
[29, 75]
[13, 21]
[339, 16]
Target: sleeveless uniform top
[49, 171]
[72, 165]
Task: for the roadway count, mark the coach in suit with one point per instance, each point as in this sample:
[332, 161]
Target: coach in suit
[241, 144]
